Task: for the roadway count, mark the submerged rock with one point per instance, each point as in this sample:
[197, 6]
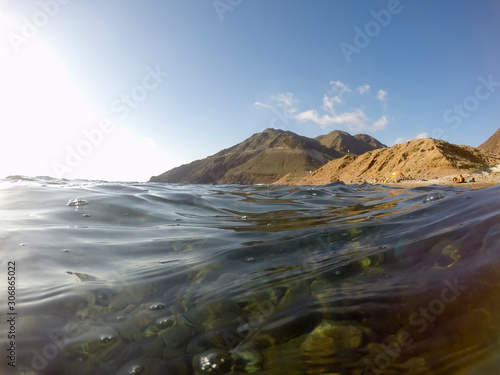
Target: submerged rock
[153, 366]
[330, 337]
[248, 360]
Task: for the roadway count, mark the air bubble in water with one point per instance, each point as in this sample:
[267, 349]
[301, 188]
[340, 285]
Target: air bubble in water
[77, 202]
[156, 306]
[214, 361]
[136, 369]
[103, 297]
[434, 195]
[249, 259]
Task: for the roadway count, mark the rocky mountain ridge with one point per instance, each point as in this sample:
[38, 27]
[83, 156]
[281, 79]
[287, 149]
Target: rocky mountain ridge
[268, 156]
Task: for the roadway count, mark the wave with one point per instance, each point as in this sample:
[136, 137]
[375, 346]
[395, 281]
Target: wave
[267, 279]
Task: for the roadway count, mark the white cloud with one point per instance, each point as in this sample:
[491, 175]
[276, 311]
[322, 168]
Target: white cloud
[329, 101]
[422, 135]
[380, 123]
[405, 139]
[286, 102]
[339, 85]
[262, 105]
[339, 88]
[363, 89]
[400, 140]
[382, 96]
[355, 120]
[284, 106]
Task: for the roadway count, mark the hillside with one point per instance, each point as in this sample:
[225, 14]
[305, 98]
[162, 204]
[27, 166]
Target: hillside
[264, 158]
[418, 159]
[492, 144]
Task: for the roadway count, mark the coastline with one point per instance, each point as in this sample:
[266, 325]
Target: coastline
[482, 181]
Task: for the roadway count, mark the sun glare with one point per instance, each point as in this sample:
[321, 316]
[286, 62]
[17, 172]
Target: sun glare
[50, 127]
[41, 106]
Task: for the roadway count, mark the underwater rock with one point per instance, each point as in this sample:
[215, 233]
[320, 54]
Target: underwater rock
[175, 339]
[93, 341]
[130, 294]
[153, 347]
[126, 326]
[153, 366]
[273, 356]
[248, 360]
[284, 327]
[330, 337]
[213, 316]
[89, 312]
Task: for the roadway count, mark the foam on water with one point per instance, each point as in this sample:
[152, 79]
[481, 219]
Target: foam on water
[162, 278]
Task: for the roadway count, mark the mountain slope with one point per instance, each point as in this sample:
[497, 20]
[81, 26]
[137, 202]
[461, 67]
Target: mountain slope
[421, 158]
[262, 158]
[375, 144]
[349, 144]
[276, 152]
[492, 144]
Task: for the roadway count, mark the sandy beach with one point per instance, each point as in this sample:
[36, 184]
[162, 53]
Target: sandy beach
[482, 180]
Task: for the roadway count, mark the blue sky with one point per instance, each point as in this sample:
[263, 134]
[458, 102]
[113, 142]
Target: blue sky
[122, 90]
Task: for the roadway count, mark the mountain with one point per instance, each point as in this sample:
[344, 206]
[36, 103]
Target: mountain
[492, 144]
[421, 158]
[262, 158]
[345, 143]
[375, 144]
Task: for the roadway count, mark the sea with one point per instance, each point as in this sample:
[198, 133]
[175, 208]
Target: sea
[103, 277]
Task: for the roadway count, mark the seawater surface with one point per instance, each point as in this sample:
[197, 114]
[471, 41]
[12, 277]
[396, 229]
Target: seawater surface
[150, 278]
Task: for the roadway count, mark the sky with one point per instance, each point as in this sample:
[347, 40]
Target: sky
[124, 90]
